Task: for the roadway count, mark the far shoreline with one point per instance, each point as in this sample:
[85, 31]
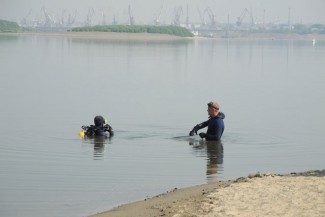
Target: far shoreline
[105, 36]
[118, 36]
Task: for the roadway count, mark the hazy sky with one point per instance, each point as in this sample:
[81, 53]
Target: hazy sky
[144, 11]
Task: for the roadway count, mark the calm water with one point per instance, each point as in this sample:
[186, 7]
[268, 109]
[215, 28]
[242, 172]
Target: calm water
[272, 93]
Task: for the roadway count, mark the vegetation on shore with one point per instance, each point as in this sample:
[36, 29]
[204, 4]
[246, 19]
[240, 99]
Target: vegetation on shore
[8, 26]
[170, 30]
[12, 27]
[299, 29]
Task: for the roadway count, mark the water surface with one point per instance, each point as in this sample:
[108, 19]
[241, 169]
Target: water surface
[152, 93]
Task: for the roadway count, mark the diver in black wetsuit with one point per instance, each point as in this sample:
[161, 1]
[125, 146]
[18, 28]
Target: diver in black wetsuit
[101, 128]
[215, 124]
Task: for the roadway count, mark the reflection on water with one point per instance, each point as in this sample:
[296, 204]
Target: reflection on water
[99, 147]
[118, 42]
[214, 154]
[99, 144]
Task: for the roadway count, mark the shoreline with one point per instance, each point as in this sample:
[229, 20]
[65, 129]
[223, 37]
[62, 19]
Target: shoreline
[119, 36]
[270, 36]
[105, 36]
[294, 194]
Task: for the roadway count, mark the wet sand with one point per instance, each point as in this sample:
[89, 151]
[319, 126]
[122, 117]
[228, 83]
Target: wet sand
[295, 194]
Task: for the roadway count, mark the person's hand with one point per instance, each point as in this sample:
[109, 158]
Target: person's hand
[202, 135]
[193, 131]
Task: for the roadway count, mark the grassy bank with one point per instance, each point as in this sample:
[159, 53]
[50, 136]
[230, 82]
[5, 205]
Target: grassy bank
[12, 27]
[8, 26]
[170, 30]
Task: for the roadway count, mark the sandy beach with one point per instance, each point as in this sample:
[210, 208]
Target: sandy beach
[105, 36]
[295, 194]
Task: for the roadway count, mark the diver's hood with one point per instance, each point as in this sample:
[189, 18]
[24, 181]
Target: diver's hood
[99, 121]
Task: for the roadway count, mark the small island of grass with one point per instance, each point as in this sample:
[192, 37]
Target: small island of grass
[8, 26]
[12, 27]
[170, 30]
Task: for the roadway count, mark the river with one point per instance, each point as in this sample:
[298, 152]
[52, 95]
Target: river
[152, 93]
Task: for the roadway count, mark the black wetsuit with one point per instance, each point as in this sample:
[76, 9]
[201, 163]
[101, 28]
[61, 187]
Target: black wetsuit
[215, 127]
[105, 130]
[100, 129]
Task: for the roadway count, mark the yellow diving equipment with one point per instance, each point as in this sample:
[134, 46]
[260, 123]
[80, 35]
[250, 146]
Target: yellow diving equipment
[82, 134]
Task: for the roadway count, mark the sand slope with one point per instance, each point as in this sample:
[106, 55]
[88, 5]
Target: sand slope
[269, 196]
[300, 194]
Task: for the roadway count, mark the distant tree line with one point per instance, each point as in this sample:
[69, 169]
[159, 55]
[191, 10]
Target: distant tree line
[170, 30]
[8, 26]
[301, 29]
[310, 29]
[12, 27]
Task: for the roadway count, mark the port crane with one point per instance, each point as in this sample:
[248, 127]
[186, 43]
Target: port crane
[243, 15]
[62, 16]
[48, 19]
[72, 18]
[157, 19]
[211, 16]
[177, 15]
[203, 23]
[103, 17]
[131, 17]
[24, 21]
[187, 22]
[114, 20]
[90, 15]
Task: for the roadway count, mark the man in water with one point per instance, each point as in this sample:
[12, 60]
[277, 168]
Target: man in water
[215, 124]
[101, 128]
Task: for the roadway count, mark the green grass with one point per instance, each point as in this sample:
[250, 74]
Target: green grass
[8, 26]
[170, 30]
[12, 27]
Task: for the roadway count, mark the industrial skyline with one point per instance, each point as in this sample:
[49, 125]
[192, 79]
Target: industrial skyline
[163, 11]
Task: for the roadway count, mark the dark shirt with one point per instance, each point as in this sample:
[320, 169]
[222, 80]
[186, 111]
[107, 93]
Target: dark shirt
[215, 127]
